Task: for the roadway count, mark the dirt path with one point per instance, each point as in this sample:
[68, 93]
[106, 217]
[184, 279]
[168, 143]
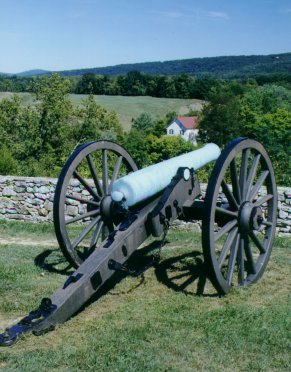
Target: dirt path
[28, 241]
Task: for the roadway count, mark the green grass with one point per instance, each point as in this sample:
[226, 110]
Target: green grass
[151, 323]
[130, 107]
[27, 98]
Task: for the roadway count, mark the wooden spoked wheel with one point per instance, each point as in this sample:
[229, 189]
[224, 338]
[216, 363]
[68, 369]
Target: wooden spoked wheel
[239, 220]
[82, 197]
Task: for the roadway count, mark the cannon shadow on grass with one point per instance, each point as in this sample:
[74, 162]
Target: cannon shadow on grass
[184, 273]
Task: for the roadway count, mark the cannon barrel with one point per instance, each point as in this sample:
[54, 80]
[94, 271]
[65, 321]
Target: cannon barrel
[146, 182]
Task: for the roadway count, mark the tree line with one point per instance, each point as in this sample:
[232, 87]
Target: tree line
[36, 140]
[135, 83]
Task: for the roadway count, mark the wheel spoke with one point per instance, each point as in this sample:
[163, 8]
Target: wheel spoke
[232, 259]
[263, 200]
[249, 256]
[241, 262]
[105, 171]
[226, 212]
[86, 185]
[243, 172]
[267, 223]
[85, 232]
[94, 175]
[252, 174]
[225, 229]
[229, 195]
[95, 236]
[83, 201]
[257, 242]
[253, 192]
[82, 216]
[115, 172]
[226, 247]
[235, 181]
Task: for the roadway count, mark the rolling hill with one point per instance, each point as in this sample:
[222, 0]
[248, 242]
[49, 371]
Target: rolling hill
[221, 67]
[224, 67]
[35, 72]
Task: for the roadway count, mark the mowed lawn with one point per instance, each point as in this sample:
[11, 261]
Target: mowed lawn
[155, 322]
[128, 108]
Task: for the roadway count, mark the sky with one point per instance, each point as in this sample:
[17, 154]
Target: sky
[72, 34]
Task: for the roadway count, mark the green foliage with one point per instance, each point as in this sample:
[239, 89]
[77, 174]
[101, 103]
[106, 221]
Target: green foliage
[166, 147]
[39, 137]
[222, 67]
[147, 149]
[220, 120]
[143, 122]
[267, 99]
[54, 108]
[193, 78]
[273, 130]
[96, 122]
[8, 164]
[262, 113]
[136, 144]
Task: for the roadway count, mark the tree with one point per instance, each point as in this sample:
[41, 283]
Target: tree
[143, 122]
[55, 109]
[267, 99]
[8, 164]
[95, 122]
[91, 84]
[220, 119]
[137, 145]
[166, 147]
[273, 130]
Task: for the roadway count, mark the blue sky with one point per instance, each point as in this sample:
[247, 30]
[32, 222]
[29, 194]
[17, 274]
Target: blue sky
[69, 34]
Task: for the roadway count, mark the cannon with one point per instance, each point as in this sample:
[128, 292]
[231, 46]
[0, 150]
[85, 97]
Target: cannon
[105, 208]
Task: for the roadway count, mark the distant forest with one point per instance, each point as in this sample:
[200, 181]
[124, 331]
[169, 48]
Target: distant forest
[187, 78]
[220, 67]
[135, 83]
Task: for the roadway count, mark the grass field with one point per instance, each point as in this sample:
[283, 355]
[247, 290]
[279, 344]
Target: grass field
[131, 107]
[155, 322]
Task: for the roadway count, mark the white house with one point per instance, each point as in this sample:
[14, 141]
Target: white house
[186, 127]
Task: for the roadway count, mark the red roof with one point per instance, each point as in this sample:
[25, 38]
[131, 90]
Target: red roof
[189, 122]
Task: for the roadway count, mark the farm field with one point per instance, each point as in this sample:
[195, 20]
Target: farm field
[168, 319]
[130, 107]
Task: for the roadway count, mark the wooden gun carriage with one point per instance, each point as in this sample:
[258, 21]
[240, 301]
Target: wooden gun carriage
[100, 222]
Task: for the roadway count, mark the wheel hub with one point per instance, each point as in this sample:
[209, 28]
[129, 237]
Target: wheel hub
[106, 208]
[250, 217]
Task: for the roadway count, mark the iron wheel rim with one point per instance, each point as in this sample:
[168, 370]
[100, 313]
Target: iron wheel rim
[246, 247]
[97, 189]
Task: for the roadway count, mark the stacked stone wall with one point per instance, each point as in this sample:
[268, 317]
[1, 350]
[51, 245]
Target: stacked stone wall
[31, 199]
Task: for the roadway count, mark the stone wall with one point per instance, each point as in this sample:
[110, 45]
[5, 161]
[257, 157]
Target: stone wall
[31, 199]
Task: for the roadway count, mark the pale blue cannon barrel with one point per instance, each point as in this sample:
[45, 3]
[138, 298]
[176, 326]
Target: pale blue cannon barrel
[146, 182]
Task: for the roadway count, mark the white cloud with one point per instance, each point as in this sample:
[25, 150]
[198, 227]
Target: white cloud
[285, 11]
[216, 14]
[198, 14]
[168, 14]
